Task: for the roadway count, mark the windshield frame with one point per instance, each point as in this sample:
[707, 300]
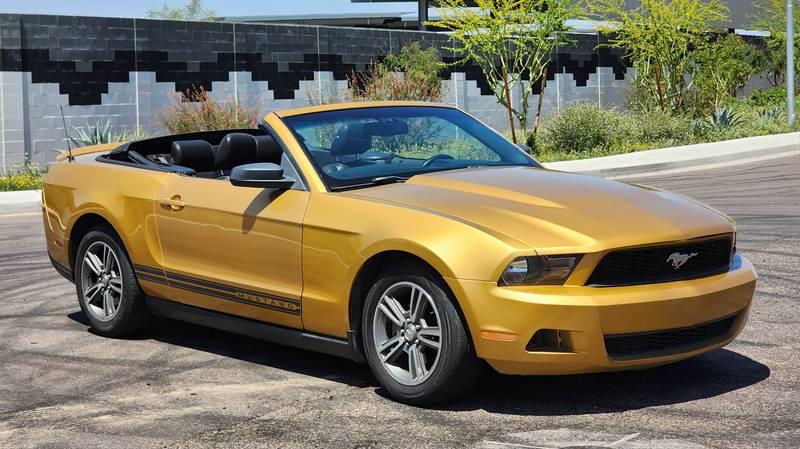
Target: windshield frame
[364, 182]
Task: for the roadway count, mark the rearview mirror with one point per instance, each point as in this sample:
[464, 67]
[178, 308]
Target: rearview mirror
[385, 128]
[263, 174]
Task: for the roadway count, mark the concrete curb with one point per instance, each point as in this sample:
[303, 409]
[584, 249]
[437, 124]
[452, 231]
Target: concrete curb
[21, 202]
[684, 157]
[624, 165]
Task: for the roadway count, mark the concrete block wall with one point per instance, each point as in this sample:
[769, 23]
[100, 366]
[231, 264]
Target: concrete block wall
[129, 70]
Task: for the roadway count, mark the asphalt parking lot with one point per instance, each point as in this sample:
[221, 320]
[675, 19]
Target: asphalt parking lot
[180, 385]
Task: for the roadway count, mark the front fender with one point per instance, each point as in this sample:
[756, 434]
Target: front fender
[341, 232]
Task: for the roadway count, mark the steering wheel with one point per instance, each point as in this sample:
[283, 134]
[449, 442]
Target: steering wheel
[428, 162]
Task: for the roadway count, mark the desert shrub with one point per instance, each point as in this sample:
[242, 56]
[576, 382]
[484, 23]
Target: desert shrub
[412, 75]
[659, 129]
[22, 177]
[769, 98]
[583, 127]
[197, 111]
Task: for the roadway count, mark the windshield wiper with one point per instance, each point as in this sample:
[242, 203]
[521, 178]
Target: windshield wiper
[387, 180]
[380, 180]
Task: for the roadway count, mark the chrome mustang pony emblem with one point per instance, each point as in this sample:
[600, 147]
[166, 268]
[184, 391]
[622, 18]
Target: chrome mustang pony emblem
[679, 259]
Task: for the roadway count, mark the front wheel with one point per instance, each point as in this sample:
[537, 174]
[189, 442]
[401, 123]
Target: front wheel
[414, 339]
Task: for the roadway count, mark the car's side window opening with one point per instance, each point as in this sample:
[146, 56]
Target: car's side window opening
[209, 154]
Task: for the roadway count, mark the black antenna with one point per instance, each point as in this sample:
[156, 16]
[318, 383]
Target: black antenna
[70, 158]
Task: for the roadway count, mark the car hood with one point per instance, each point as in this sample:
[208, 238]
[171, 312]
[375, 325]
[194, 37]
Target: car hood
[553, 211]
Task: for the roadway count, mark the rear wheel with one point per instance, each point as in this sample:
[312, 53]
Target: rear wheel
[414, 339]
[108, 292]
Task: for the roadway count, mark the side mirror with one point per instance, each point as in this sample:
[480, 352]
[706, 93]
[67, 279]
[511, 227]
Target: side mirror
[524, 148]
[263, 174]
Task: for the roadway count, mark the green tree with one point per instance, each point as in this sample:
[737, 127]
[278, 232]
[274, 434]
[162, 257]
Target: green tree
[771, 16]
[660, 37]
[194, 11]
[511, 41]
[723, 68]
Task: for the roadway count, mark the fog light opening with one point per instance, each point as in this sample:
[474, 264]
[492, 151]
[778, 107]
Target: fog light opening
[550, 340]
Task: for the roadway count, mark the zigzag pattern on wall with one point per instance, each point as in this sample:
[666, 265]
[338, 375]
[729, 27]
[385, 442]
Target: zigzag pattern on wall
[85, 83]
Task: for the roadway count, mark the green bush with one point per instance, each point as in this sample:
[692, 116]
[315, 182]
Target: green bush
[659, 129]
[582, 128]
[775, 97]
[22, 177]
[586, 130]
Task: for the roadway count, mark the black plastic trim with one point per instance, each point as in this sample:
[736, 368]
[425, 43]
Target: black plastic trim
[677, 349]
[271, 131]
[251, 328]
[62, 270]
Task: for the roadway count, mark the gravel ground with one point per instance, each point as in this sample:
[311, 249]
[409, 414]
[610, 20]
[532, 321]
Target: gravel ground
[180, 385]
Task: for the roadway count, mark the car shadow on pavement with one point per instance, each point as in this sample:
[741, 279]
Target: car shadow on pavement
[705, 376]
[226, 344]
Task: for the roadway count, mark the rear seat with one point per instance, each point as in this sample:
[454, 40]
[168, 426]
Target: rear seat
[235, 149]
[195, 154]
[269, 150]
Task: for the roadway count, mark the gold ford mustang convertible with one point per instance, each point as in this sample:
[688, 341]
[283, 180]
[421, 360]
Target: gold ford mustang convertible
[409, 236]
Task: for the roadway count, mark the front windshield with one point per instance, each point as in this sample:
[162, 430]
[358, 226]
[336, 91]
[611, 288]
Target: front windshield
[361, 147]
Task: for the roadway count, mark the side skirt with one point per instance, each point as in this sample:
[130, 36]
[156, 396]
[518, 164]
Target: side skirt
[251, 328]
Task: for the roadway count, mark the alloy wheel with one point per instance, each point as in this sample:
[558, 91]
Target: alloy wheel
[101, 281]
[407, 333]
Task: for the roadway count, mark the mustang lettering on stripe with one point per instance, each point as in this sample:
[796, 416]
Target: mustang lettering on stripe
[217, 290]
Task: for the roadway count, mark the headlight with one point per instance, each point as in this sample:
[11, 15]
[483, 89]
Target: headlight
[538, 270]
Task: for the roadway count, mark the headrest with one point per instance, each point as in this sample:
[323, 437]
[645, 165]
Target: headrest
[269, 150]
[351, 139]
[235, 149]
[196, 154]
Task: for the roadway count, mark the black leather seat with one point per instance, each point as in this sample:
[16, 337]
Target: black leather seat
[269, 150]
[235, 149]
[195, 154]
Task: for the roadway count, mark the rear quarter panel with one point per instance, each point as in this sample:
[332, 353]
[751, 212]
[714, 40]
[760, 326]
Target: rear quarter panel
[121, 195]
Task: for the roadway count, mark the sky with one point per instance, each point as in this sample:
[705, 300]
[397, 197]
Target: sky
[127, 8]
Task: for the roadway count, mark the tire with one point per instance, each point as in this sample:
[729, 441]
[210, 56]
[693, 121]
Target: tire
[413, 370]
[108, 271]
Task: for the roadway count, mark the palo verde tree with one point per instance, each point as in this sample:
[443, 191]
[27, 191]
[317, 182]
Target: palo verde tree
[722, 68]
[511, 41]
[771, 16]
[194, 11]
[659, 37]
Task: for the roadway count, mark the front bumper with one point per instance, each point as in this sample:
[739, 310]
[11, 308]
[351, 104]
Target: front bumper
[589, 314]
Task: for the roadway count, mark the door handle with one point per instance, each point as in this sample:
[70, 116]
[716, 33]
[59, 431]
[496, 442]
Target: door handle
[174, 203]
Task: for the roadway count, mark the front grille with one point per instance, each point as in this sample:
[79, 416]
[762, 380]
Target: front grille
[656, 263]
[675, 341]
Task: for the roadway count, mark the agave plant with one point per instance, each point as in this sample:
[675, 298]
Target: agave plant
[101, 133]
[770, 114]
[724, 118]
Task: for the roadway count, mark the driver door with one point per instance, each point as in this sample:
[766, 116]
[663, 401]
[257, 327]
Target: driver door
[232, 249]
